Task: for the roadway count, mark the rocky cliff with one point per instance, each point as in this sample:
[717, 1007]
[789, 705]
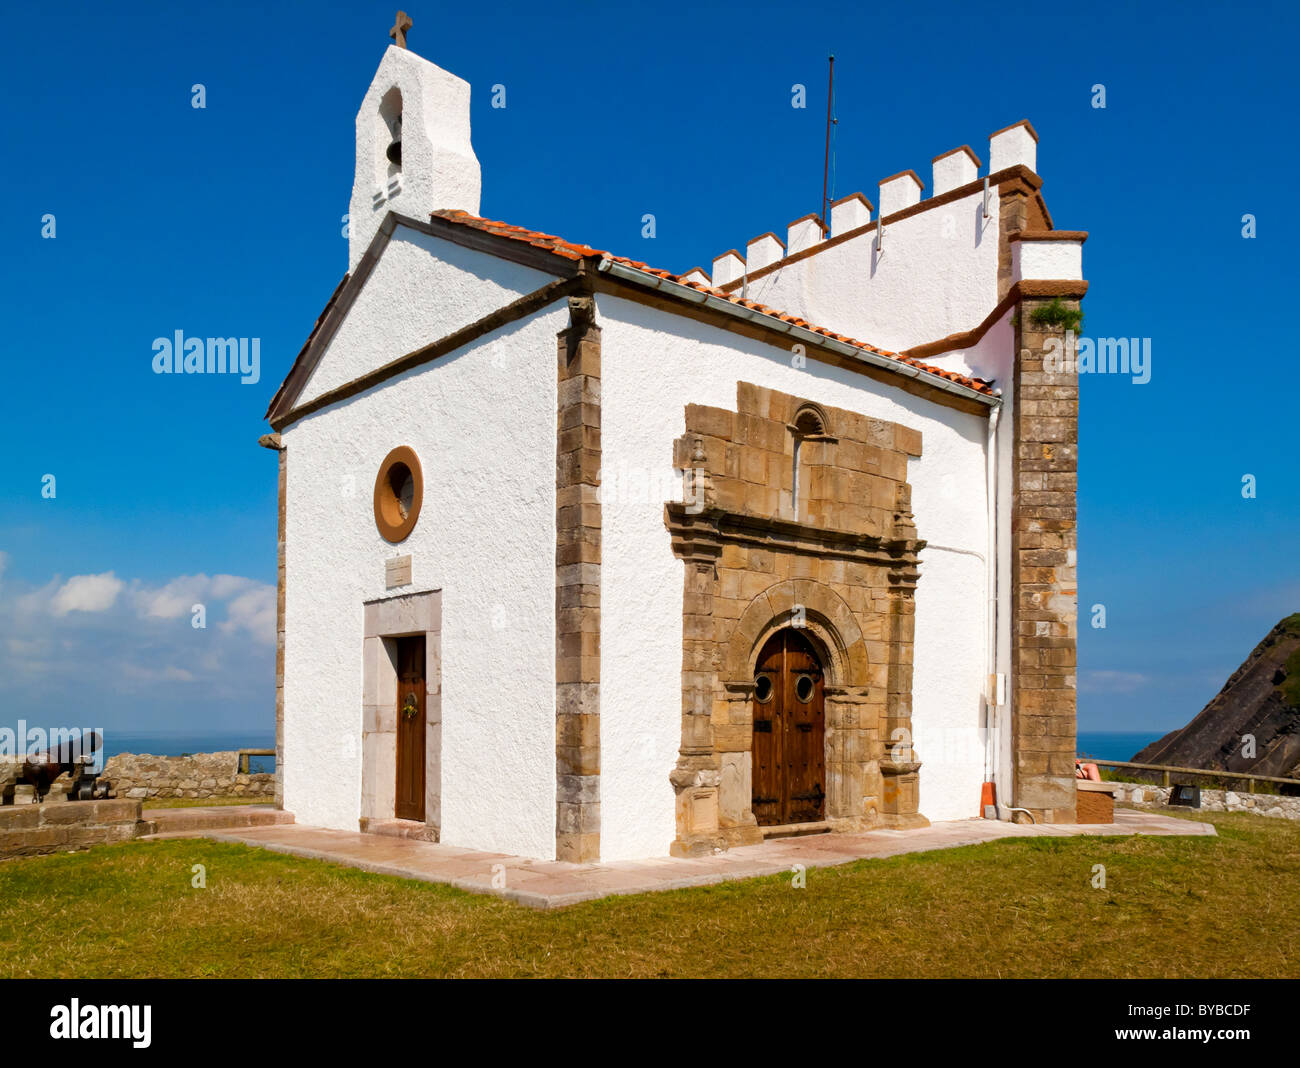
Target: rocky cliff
[1261, 699]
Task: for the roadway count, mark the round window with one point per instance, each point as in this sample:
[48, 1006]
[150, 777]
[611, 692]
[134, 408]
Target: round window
[803, 688]
[399, 491]
[763, 689]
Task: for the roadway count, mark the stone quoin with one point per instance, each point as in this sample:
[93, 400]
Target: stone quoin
[853, 606]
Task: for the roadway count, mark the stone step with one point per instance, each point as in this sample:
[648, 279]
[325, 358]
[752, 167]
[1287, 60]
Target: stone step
[395, 828]
[213, 817]
[795, 830]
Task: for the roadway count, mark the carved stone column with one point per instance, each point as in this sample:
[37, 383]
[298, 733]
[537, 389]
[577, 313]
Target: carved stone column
[736, 789]
[850, 780]
[697, 777]
[698, 774]
[900, 790]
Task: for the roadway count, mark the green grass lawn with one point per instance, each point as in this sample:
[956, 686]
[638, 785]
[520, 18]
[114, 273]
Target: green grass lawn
[1226, 906]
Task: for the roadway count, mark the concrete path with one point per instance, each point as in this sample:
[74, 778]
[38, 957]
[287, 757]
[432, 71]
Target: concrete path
[547, 884]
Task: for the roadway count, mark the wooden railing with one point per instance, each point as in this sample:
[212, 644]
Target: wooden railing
[244, 754]
[1169, 769]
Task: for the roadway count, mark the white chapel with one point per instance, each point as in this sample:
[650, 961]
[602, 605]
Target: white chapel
[584, 559]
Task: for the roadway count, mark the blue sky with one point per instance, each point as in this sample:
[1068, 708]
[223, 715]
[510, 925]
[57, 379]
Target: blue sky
[226, 221]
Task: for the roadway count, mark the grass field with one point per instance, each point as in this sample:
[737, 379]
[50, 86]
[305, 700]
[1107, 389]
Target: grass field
[1225, 907]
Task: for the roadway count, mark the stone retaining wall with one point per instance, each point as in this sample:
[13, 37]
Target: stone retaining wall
[61, 827]
[141, 776]
[1286, 808]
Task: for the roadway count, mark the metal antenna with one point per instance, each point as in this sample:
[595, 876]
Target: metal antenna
[830, 96]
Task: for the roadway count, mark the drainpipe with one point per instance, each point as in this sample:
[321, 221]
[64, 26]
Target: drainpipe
[993, 696]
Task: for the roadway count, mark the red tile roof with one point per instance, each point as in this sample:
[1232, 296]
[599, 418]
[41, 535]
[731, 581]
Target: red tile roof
[570, 251]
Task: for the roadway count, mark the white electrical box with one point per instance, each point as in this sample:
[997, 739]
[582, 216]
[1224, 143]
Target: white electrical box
[998, 689]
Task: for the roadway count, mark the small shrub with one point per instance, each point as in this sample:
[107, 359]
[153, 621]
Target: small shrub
[1057, 313]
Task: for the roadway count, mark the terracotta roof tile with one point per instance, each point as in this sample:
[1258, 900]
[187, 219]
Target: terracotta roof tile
[571, 251]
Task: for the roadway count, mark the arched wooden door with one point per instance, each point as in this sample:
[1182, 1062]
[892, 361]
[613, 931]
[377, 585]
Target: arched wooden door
[789, 732]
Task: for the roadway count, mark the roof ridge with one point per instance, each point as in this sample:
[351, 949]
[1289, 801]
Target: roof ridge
[570, 250]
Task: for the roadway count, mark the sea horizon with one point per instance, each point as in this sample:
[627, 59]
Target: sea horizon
[1103, 745]
[1115, 745]
[185, 743]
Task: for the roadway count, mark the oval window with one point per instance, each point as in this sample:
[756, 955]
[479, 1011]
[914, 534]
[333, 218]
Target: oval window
[399, 491]
[401, 484]
[803, 688]
[763, 689]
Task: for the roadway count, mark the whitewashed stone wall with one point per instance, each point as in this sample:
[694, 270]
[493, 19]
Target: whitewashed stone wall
[1286, 808]
[641, 579]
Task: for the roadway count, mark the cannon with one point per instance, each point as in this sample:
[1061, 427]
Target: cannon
[74, 757]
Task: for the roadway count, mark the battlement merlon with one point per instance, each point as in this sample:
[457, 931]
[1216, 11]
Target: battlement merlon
[922, 268]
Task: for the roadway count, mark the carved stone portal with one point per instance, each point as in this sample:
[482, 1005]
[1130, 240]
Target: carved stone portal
[788, 521]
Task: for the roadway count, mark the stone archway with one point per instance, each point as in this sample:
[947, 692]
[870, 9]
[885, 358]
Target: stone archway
[854, 713]
[807, 604]
[872, 774]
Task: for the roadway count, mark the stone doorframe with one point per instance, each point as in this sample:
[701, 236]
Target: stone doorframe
[386, 620]
[872, 773]
[794, 514]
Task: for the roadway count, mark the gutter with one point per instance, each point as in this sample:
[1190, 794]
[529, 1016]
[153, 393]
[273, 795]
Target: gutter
[802, 334]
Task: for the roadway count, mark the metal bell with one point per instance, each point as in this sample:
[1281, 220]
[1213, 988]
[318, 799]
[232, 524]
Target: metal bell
[394, 152]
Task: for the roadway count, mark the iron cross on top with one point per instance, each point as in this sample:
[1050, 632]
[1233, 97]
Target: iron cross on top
[398, 32]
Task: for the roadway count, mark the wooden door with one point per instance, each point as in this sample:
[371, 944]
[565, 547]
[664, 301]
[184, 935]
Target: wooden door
[789, 752]
[412, 693]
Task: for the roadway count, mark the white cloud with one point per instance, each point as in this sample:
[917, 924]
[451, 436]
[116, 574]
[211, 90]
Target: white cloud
[179, 596]
[226, 586]
[134, 639]
[254, 610]
[170, 673]
[249, 605]
[87, 593]
[36, 600]
[170, 601]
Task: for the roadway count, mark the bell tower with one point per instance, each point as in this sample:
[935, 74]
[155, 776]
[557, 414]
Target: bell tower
[414, 154]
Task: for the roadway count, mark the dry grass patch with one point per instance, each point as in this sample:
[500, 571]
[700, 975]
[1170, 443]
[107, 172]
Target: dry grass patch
[1023, 907]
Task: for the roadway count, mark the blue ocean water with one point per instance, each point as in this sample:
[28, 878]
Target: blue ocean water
[1114, 745]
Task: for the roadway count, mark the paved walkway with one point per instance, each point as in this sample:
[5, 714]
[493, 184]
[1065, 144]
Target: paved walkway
[553, 884]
